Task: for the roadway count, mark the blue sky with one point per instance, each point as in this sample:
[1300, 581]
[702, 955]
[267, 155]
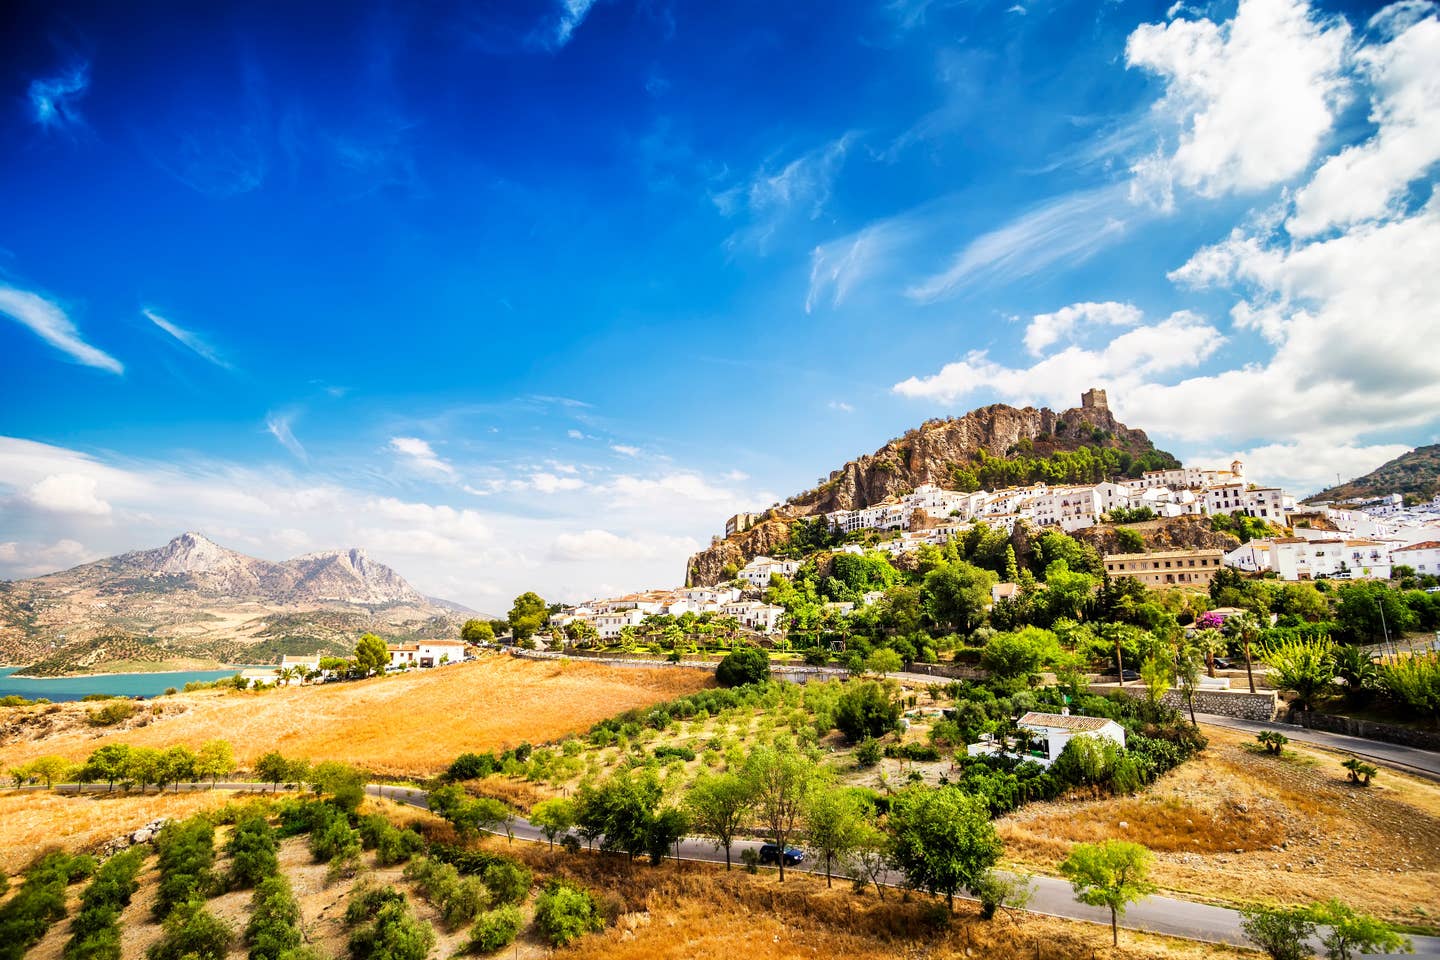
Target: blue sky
[536, 294]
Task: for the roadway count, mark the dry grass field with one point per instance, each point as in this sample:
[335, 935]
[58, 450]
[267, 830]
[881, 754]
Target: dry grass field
[404, 725]
[34, 820]
[1237, 826]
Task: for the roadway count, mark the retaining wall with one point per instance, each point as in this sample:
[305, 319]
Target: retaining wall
[1368, 729]
[950, 671]
[1240, 704]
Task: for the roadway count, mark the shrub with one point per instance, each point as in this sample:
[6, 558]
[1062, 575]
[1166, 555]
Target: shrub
[116, 711]
[1282, 934]
[508, 881]
[667, 752]
[333, 836]
[868, 753]
[1413, 683]
[458, 899]
[187, 859]
[366, 901]
[866, 710]
[191, 931]
[565, 913]
[472, 766]
[919, 752]
[39, 902]
[395, 934]
[494, 930]
[95, 931]
[252, 847]
[743, 666]
[274, 927]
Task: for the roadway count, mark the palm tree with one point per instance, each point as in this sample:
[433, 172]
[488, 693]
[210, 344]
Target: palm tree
[1209, 642]
[1246, 629]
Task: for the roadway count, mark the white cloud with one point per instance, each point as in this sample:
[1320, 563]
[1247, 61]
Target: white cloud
[1068, 230]
[841, 406]
[51, 324]
[1253, 98]
[187, 338]
[420, 455]
[53, 99]
[772, 198]
[68, 493]
[1182, 340]
[278, 425]
[625, 450]
[550, 483]
[570, 15]
[594, 544]
[1365, 181]
[34, 559]
[1045, 329]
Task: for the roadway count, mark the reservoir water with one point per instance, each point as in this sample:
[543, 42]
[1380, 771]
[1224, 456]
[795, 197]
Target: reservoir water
[118, 684]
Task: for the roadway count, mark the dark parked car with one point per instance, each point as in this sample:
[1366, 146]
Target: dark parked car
[1221, 663]
[769, 853]
[1126, 676]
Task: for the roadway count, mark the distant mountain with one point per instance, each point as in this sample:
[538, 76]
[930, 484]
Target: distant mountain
[194, 600]
[1415, 474]
[990, 447]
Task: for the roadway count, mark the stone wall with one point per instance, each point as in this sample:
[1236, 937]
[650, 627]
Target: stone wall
[1240, 704]
[949, 671]
[1368, 729]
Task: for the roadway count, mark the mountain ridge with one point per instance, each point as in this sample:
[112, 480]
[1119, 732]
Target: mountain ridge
[193, 598]
[1416, 473]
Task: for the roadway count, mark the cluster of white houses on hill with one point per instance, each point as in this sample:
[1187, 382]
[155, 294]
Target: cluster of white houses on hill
[610, 617]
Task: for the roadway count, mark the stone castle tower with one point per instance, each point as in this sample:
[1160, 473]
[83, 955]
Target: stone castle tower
[1094, 399]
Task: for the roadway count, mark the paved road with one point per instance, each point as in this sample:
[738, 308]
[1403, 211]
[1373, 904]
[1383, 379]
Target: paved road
[1425, 763]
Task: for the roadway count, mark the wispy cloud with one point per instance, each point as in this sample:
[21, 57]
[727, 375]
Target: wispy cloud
[771, 197]
[278, 424]
[625, 450]
[569, 15]
[53, 99]
[50, 323]
[841, 406]
[187, 338]
[1067, 230]
[420, 455]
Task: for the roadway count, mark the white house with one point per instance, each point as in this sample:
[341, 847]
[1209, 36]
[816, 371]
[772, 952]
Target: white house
[1423, 557]
[760, 617]
[425, 653]
[610, 623]
[759, 570]
[1049, 733]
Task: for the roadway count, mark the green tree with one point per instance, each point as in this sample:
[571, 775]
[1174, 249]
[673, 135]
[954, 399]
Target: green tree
[1282, 933]
[274, 927]
[1244, 629]
[718, 804]
[1304, 667]
[834, 822]
[1345, 932]
[477, 631]
[109, 763]
[743, 665]
[371, 654]
[527, 616]
[883, 660]
[1360, 771]
[215, 760]
[620, 811]
[48, 769]
[273, 768]
[1020, 654]
[344, 784]
[191, 931]
[554, 817]
[942, 839]
[177, 765]
[1111, 874]
[781, 780]
[956, 595]
[565, 913]
[866, 709]
[144, 766]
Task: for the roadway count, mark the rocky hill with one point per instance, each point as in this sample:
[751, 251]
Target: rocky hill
[1415, 474]
[193, 599]
[994, 446]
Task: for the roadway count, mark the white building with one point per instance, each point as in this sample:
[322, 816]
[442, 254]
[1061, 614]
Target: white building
[610, 623]
[759, 570]
[760, 617]
[1049, 733]
[425, 653]
[1423, 557]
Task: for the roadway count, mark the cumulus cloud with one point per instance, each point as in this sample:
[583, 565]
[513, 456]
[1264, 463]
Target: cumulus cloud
[1045, 329]
[68, 493]
[34, 559]
[1182, 340]
[421, 456]
[1252, 99]
[625, 450]
[1368, 180]
[49, 322]
[546, 482]
[189, 339]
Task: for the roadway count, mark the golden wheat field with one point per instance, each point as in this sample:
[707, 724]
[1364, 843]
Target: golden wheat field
[1235, 825]
[404, 725]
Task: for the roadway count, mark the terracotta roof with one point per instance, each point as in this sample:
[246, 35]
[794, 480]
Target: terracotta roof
[1062, 722]
[1426, 545]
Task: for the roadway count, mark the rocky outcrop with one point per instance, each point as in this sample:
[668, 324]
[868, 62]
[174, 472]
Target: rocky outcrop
[712, 566]
[938, 452]
[1175, 533]
[934, 451]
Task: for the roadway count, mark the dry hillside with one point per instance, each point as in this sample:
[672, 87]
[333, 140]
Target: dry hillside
[404, 725]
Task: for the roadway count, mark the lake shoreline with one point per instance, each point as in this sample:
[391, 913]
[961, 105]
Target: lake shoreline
[129, 673]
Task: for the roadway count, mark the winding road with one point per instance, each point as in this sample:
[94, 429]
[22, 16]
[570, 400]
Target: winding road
[1412, 760]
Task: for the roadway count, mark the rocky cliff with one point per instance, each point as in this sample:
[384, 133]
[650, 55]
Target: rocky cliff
[1175, 533]
[993, 446]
